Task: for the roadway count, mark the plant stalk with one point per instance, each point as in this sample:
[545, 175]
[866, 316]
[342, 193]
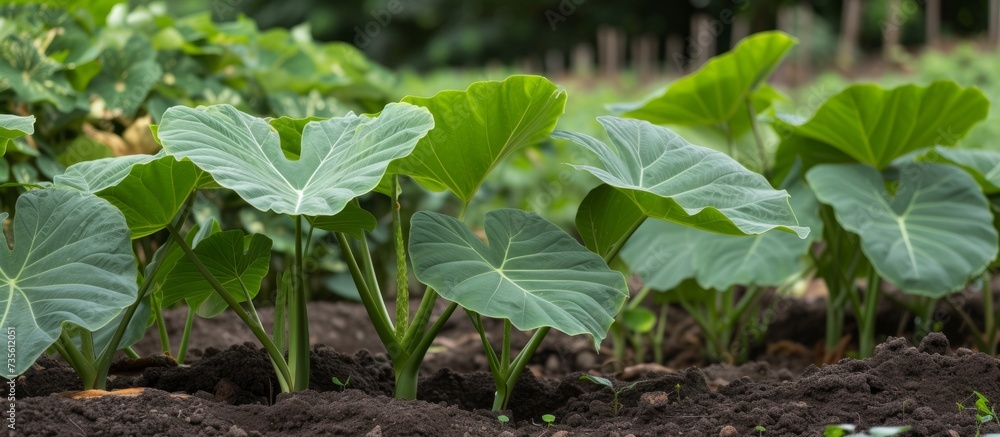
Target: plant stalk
[186, 335]
[402, 280]
[276, 356]
[298, 332]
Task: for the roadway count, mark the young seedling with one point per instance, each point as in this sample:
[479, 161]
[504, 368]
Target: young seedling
[503, 419]
[677, 388]
[550, 419]
[616, 405]
[760, 430]
[342, 384]
[984, 412]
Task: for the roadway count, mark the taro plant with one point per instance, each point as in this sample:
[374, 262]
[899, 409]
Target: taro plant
[887, 217]
[716, 278]
[310, 171]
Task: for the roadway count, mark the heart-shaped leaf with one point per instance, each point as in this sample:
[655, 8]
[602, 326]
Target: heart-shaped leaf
[606, 218]
[477, 128]
[12, 126]
[716, 94]
[983, 165]
[238, 261]
[71, 263]
[664, 254]
[32, 75]
[671, 179]
[531, 273]
[928, 237]
[128, 73]
[342, 157]
[875, 126]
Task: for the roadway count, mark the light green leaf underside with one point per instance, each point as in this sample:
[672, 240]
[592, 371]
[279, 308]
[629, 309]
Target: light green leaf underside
[477, 128]
[929, 238]
[531, 273]
[238, 261]
[96, 175]
[71, 263]
[875, 126]
[717, 93]
[12, 126]
[342, 157]
[671, 179]
[983, 165]
[665, 254]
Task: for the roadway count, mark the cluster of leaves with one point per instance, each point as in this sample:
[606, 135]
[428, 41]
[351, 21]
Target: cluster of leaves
[96, 75]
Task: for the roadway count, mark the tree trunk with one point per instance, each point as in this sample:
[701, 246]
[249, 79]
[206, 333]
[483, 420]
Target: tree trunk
[932, 15]
[891, 30]
[850, 32]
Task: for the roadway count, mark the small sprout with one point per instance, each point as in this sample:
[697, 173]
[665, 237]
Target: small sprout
[503, 420]
[342, 384]
[678, 388]
[760, 430]
[550, 419]
[616, 405]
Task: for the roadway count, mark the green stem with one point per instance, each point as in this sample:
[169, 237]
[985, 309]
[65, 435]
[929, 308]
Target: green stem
[661, 331]
[491, 355]
[87, 345]
[420, 320]
[372, 280]
[619, 345]
[379, 318]
[639, 297]
[505, 347]
[752, 113]
[406, 378]
[402, 280]
[517, 367]
[84, 368]
[298, 332]
[613, 252]
[730, 140]
[161, 325]
[131, 353]
[991, 315]
[866, 320]
[276, 356]
[186, 335]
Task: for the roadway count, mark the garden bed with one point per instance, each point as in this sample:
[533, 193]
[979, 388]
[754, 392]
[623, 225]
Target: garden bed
[233, 391]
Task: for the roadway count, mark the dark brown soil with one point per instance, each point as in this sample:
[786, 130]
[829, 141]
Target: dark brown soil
[230, 389]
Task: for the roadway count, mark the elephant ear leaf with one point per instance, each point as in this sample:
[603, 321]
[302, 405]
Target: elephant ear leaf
[876, 126]
[717, 93]
[340, 158]
[71, 264]
[531, 272]
[477, 128]
[671, 179]
[12, 126]
[935, 209]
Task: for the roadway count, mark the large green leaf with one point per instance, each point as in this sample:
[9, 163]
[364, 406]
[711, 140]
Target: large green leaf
[238, 261]
[875, 126]
[928, 237]
[128, 73]
[606, 218]
[983, 165]
[476, 128]
[717, 93]
[152, 193]
[671, 179]
[664, 254]
[96, 175]
[342, 157]
[531, 273]
[71, 263]
[33, 76]
[12, 126]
